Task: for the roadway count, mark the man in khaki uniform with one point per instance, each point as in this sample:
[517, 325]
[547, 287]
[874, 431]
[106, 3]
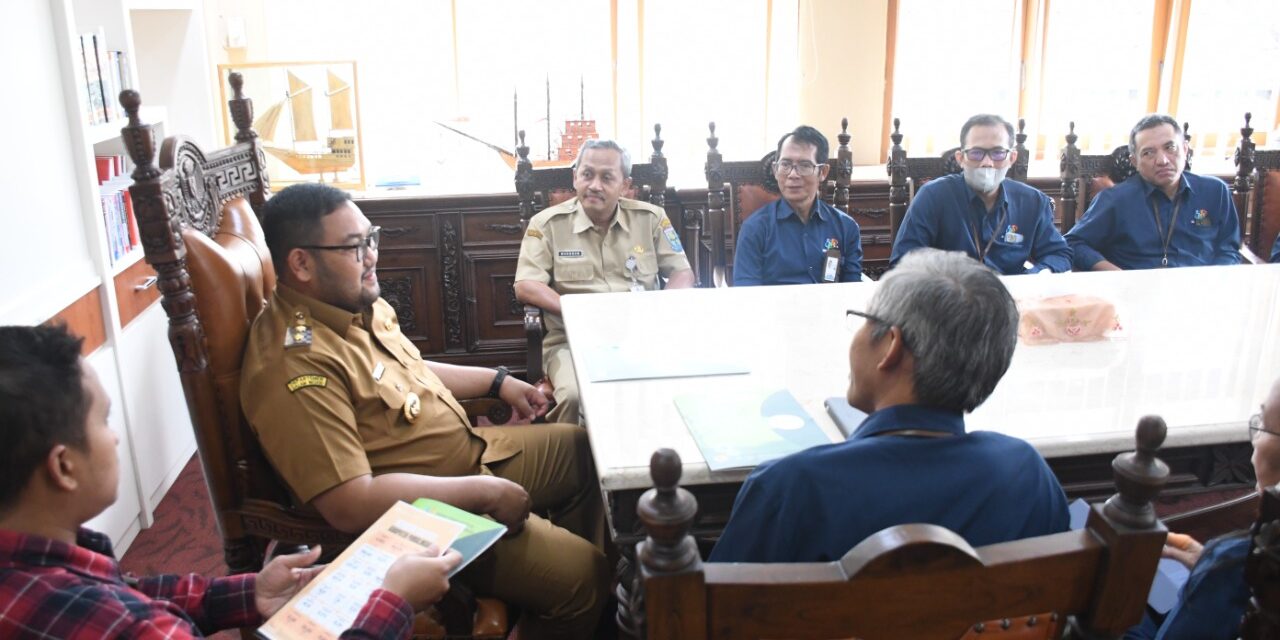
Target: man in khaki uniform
[354, 419]
[594, 243]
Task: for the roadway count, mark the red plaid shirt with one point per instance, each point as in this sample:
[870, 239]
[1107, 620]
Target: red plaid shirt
[50, 589]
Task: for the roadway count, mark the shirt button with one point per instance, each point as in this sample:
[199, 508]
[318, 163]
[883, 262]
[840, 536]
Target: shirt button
[399, 387]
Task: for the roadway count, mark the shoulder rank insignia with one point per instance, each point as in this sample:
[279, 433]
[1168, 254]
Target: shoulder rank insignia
[533, 233]
[299, 335]
[307, 380]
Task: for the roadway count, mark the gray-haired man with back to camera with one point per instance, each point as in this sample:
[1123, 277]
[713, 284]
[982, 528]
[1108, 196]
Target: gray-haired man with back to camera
[934, 340]
[596, 242]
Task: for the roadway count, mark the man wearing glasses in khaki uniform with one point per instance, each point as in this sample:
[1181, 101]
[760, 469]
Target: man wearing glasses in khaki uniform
[596, 242]
[1001, 223]
[353, 419]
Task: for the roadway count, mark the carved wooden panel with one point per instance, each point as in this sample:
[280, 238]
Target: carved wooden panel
[411, 284]
[496, 318]
[491, 228]
[405, 230]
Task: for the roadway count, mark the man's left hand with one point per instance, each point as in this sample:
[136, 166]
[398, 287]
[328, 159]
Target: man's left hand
[283, 578]
[527, 401]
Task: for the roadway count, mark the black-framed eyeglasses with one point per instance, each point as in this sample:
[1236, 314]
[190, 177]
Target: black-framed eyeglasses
[1256, 428]
[785, 167]
[976, 154]
[850, 314]
[368, 243]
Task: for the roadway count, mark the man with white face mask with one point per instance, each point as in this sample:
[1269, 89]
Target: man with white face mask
[1002, 223]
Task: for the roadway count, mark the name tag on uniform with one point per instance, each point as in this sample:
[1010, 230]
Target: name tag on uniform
[569, 254]
[1011, 235]
[831, 265]
[378, 371]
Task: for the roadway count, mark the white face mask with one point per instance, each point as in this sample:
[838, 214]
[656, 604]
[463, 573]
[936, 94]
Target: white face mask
[984, 179]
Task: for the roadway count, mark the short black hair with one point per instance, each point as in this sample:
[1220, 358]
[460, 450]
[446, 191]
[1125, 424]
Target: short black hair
[1152, 121]
[805, 134]
[43, 402]
[291, 218]
[985, 120]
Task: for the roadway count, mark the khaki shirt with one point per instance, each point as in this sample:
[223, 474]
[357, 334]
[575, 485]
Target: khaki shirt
[331, 406]
[563, 249]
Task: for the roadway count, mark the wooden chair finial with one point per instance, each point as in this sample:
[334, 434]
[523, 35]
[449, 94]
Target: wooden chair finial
[1247, 117]
[139, 139]
[667, 512]
[844, 125]
[1071, 133]
[241, 108]
[896, 136]
[657, 141]
[1139, 477]
[712, 141]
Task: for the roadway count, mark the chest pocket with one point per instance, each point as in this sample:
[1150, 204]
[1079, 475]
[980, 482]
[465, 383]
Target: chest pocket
[394, 391]
[647, 264]
[575, 270]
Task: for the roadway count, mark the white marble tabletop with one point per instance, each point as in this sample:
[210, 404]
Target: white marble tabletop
[1199, 347]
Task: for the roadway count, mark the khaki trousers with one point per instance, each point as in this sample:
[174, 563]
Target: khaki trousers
[558, 362]
[554, 570]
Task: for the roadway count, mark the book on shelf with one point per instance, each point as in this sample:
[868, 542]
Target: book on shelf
[119, 222]
[92, 82]
[330, 603]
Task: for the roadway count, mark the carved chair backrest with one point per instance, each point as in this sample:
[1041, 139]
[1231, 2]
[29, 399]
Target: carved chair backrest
[908, 581]
[1257, 192]
[1262, 571]
[737, 189]
[907, 175]
[197, 216]
[1085, 176]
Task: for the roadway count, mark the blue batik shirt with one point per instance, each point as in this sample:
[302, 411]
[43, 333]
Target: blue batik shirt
[776, 247]
[1212, 601]
[1121, 228]
[815, 505]
[1275, 251]
[946, 213]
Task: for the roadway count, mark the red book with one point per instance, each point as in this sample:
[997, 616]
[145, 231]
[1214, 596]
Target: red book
[133, 222]
[106, 168]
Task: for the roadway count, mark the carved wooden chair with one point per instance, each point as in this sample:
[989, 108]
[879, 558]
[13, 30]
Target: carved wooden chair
[1085, 176]
[908, 581]
[1262, 571]
[538, 189]
[1257, 194]
[907, 175]
[197, 216]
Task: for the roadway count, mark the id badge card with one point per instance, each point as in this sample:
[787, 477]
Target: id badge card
[831, 265]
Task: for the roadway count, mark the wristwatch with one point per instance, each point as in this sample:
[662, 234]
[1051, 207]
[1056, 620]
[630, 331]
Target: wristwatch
[499, 375]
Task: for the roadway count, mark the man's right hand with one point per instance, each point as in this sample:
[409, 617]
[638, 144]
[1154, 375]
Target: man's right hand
[509, 503]
[421, 578]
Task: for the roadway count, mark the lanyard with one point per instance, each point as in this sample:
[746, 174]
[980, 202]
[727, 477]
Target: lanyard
[977, 240]
[1173, 222]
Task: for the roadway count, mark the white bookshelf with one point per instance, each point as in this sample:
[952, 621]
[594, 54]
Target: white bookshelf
[164, 41]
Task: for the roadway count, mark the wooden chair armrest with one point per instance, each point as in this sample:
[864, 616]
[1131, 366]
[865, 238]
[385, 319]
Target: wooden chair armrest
[533, 332]
[1249, 256]
[495, 410]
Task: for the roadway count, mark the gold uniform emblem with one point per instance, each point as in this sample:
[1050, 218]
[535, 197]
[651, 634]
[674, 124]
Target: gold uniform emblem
[412, 406]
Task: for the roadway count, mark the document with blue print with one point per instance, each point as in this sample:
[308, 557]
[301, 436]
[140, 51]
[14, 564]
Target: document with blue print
[745, 427]
[635, 360]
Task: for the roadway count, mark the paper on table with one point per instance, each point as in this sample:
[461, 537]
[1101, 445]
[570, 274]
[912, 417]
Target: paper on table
[743, 428]
[636, 361]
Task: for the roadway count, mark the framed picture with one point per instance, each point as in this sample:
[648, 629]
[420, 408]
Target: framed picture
[307, 115]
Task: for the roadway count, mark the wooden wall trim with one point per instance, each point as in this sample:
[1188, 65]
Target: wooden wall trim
[84, 318]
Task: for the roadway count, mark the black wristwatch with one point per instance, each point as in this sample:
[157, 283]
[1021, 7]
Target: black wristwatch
[500, 374]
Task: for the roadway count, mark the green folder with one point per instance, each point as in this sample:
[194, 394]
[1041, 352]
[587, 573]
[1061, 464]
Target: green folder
[479, 533]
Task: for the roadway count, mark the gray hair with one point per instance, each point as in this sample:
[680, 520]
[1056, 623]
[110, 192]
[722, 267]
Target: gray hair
[957, 320]
[602, 143]
[1150, 122]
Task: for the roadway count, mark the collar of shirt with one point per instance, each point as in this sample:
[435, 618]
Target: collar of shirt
[581, 222]
[91, 556]
[1002, 199]
[1184, 187]
[336, 319]
[783, 209]
[910, 416]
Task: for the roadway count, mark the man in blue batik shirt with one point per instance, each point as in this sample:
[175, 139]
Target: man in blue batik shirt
[798, 239]
[916, 366]
[1002, 223]
[1162, 217]
[1275, 251]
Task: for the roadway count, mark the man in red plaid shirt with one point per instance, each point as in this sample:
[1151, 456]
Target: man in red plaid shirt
[58, 469]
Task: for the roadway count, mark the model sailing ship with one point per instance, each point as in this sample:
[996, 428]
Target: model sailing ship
[339, 151]
[575, 132]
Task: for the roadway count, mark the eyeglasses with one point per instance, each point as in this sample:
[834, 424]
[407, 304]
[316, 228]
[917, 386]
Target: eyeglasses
[1256, 428]
[368, 243]
[784, 168]
[976, 154]
[862, 316]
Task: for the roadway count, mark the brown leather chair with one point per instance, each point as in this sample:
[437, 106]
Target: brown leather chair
[908, 581]
[197, 217]
[1257, 194]
[907, 175]
[1085, 176]
[538, 189]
